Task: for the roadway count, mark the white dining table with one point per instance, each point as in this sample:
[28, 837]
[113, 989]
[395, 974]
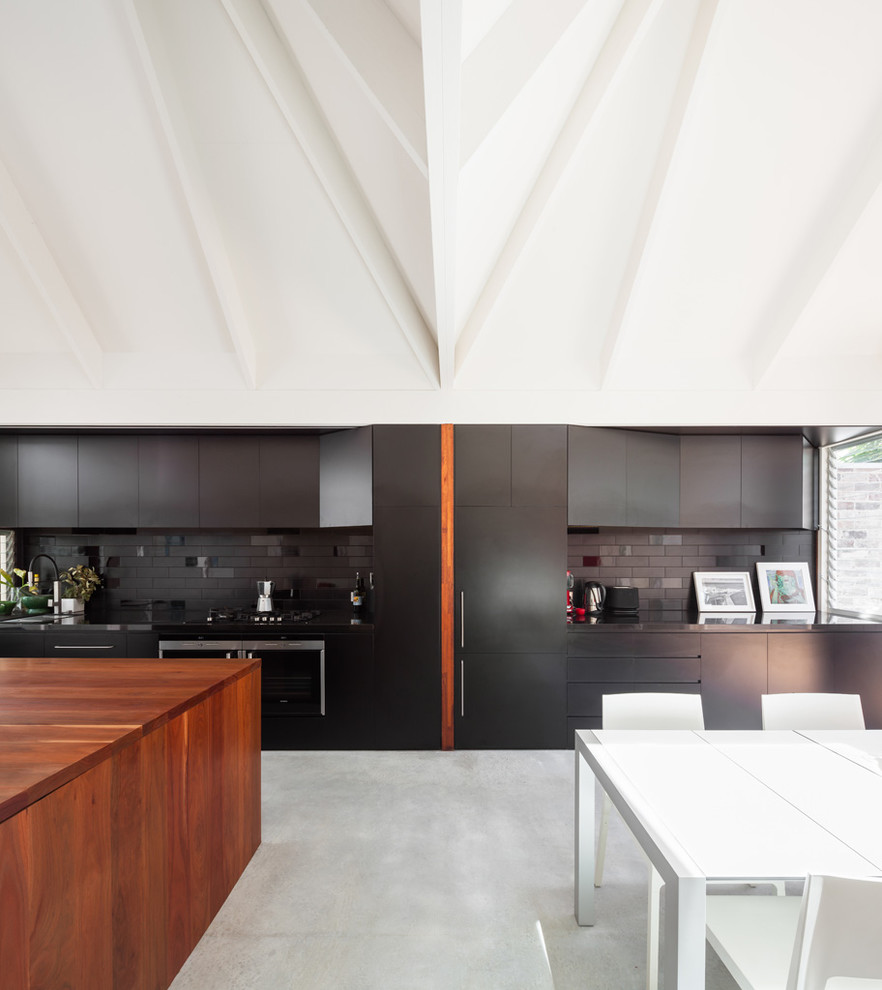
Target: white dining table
[729, 805]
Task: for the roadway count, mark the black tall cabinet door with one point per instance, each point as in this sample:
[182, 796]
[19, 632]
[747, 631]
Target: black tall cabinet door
[407, 597]
[482, 465]
[47, 481]
[289, 481]
[108, 481]
[8, 482]
[510, 568]
[168, 481]
[510, 702]
[539, 465]
[229, 480]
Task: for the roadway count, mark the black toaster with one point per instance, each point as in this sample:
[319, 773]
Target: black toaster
[621, 599]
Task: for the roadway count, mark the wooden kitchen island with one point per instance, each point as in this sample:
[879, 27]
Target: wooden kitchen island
[129, 807]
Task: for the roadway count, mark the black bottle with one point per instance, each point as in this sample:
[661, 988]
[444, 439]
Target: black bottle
[356, 596]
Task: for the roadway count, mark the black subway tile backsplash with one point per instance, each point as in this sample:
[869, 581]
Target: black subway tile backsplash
[660, 564]
[205, 568]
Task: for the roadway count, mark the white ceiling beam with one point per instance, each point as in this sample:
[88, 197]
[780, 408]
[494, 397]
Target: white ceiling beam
[281, 74]
[612, 63]
[616, 334]
[20, 227]
[442, 63]
[384, 62]
[856, 186]
[147, 35]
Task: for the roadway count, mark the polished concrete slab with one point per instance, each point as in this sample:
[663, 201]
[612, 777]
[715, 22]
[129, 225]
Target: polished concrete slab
[414, 870]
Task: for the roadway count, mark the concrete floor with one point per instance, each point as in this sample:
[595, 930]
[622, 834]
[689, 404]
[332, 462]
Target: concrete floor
[424, 870]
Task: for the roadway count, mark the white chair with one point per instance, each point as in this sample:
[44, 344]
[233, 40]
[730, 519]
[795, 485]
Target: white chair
[812, 711]
[828, 939]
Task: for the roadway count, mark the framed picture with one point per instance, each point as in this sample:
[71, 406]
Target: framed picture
[723, 591]
[785, 587]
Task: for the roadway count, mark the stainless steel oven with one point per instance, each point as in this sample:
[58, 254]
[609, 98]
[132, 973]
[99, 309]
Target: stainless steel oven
[292, 678]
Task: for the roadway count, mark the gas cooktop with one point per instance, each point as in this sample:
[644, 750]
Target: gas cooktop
[219, 616]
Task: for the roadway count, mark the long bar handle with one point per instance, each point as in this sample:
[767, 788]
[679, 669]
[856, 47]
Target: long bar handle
[462, 688]
[85, 646]
[462, 619]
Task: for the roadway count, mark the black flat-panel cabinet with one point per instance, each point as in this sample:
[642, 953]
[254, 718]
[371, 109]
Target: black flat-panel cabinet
[108, 481]
[733, 679]
[539, 465]
[47, 481]
[598, 477]
[8, 482]
[406, 465]
[289, 481]
[407, 597]
[229, 480]
[777, 480]
[482, 465]
[653, 479]
[168, 481]
[710, 481]
[510, 702]
[510, 567]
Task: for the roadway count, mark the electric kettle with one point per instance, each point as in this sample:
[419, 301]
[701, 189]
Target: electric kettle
[595, 596]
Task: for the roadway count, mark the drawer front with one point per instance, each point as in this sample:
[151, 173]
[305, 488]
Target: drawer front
[666, 669]
[96, 644]
[667, 645]
[587, 699]
[600, 669]
[600, 644]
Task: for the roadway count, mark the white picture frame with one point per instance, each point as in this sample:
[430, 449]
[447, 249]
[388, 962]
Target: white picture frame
[785, 587]
[723, 591]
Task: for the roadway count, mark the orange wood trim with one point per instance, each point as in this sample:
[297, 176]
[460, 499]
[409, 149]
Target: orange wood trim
[447, 592]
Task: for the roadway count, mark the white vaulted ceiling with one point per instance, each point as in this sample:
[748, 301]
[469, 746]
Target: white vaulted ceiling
[317, 212]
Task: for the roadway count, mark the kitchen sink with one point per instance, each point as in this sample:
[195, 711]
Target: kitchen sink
[29, 619]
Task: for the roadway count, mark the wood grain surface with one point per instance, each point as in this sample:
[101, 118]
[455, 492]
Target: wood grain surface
[120, 838]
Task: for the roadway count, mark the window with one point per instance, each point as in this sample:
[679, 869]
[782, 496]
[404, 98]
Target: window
[7, 550]
[851, 527]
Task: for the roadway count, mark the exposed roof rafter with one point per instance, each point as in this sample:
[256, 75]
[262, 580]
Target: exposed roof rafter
[175, 127]
[617, 332]
[611, 64]
[852, 193]
[281, 75]
[442, 46]
[25, 237]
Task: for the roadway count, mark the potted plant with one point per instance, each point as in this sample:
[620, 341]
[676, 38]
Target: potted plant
[13, 593]
[79, 584]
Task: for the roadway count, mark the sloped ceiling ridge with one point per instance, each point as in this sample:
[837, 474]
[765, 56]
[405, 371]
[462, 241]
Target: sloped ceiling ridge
[317, 212]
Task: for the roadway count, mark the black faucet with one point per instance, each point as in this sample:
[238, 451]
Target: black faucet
[56, 584]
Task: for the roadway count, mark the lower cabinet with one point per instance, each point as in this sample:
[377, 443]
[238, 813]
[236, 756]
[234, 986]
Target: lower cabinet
[21, 644]
[600, 663]
[733, 679]
[348, 719]
[509, 701]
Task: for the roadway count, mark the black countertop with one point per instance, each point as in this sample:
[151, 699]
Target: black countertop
[183, 622]
[692, 621]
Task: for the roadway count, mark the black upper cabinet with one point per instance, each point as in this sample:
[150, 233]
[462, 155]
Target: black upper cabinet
[108, 481]
[710, 481]
[407, 465]
[229, 472]
[623, 478]
[289, 481]
[8, 481]
[482, 465]
[653, 486]
[47, 481]
[777, 482]
[510, 465]
[598, 476]
[539, 465]
[168, 481]
[346, 478]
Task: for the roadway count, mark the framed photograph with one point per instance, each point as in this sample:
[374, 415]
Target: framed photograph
[785, 587]
[723, 591]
